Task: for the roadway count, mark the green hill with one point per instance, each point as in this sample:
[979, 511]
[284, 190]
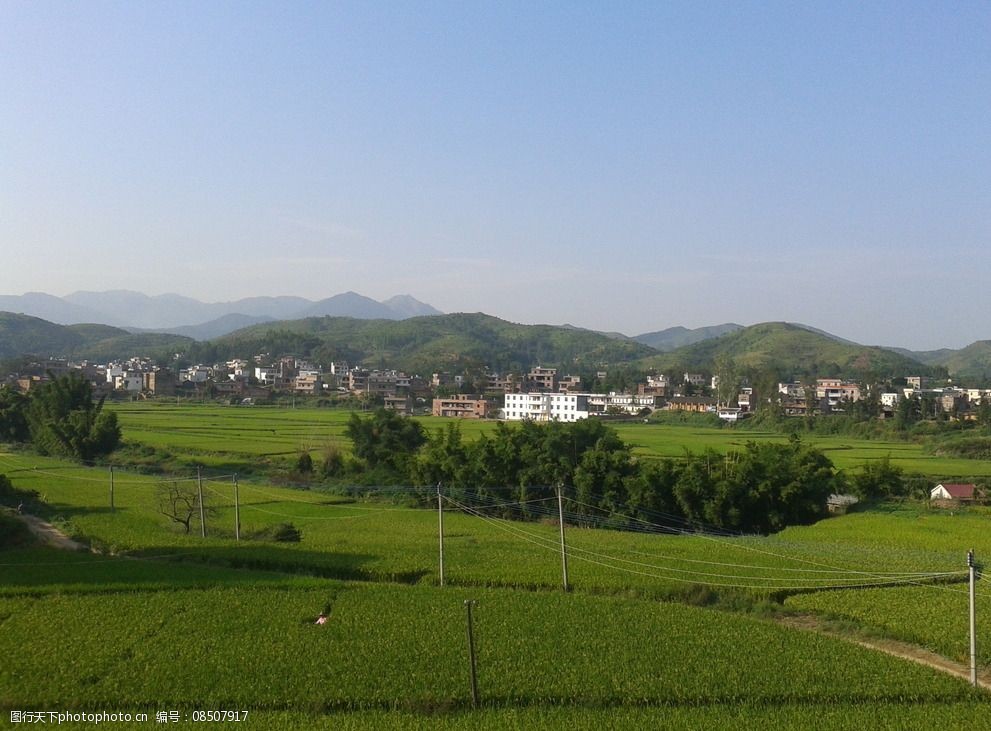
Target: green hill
[22, 335]
[677, 337]
[789, 350]
[972, 363]
[424, 344]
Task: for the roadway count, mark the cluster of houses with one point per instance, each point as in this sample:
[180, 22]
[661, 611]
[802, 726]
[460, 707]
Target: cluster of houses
[540, 394]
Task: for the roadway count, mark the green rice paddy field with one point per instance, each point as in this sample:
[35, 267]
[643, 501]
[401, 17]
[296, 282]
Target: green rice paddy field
[228, 435]
[658, 630]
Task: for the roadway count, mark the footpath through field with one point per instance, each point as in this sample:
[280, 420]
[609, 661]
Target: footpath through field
[50, 535]
[896, 648]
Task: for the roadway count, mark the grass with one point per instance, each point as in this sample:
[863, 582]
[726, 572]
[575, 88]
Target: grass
[180, 621]
[371, 540]
[231, 436]
[391, 647]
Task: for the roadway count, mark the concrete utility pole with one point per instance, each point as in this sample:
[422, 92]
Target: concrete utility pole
[112, 508]
[440, 529]
[199, 489]
[564, 548]
[237, 512]
[469, 603]
[973, 622]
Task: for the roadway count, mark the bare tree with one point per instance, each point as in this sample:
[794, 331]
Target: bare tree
[179, 502]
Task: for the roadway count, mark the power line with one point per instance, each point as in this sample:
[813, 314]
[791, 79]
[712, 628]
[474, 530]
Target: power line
[551, 545]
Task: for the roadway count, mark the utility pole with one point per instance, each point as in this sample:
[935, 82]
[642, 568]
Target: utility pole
[237, 512]
[440, 528]
[469, 603]
[973, 622]
[199, 490]
[112, 508]
[564, 548]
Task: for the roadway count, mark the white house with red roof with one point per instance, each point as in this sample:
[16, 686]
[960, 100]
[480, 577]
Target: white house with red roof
[953, 491]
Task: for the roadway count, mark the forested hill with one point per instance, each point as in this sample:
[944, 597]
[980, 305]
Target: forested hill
[789, 350]
[22, 335]
[427, 344]
[972, 363]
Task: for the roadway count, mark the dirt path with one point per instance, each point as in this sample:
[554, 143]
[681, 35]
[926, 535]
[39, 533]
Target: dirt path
[50, 535]
[904, 650]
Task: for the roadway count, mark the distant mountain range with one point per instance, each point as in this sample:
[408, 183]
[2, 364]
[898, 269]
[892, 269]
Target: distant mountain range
[407, 333]
[176, 314]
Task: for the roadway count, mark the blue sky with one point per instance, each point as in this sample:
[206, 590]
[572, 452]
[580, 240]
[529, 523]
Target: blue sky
[618, 166]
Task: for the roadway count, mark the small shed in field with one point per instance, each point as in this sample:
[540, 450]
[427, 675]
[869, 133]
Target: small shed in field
[957, 492]
[840, 504]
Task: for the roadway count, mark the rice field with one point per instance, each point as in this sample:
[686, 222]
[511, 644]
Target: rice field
[227, 435]
[657, 629]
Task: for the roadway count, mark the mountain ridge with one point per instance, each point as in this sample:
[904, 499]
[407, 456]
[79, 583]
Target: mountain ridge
[172, 312]
[790, 350]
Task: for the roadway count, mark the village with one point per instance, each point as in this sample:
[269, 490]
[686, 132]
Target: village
[540, 394]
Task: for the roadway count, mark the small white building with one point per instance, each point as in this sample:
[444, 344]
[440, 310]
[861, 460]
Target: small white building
[731, 413]
[890, 400]
[114, 371]
[196, 374]
[266, 375]
[964, 492]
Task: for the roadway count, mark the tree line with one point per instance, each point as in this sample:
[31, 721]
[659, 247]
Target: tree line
[61, 418]
[761, 488]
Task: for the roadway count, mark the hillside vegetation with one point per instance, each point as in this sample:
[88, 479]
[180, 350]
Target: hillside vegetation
[425, 344]
[970, 363]
[25, 335]
[789, 350]
[677, 337]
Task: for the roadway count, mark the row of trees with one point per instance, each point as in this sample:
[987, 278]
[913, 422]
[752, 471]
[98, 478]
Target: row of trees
[762, 488]
[60, 417]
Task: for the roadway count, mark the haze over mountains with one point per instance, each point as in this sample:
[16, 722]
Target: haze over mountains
[119, 323]
[176, 314]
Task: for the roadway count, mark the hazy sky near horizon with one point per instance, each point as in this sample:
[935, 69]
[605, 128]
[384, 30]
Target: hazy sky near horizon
[619, 166]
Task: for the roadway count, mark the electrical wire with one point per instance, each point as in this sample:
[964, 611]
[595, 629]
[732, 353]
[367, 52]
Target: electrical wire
[554, 546]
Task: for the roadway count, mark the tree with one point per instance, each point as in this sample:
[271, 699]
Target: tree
[879, 479]
[179, 501]
[602, 475]
[908, 412]
[727, 379]
[443, 459]
[13, 416]
[333, 461]
[984, 414]
[650, 493]
[64, 420]
[386, 439]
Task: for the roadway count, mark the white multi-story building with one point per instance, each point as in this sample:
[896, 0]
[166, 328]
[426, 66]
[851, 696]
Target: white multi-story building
[545, 406]
[836, 390]
[627, 403]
